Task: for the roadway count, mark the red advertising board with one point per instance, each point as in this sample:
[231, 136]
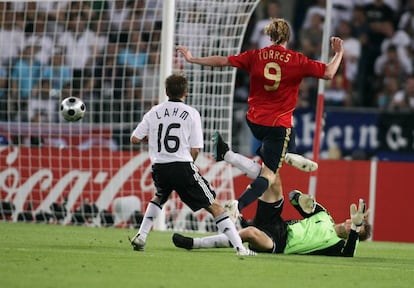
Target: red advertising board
[42, 176]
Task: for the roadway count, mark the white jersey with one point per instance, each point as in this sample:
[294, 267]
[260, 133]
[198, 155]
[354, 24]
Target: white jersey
[172, 128]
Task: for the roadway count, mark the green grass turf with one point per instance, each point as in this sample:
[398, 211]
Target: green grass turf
[41, 255]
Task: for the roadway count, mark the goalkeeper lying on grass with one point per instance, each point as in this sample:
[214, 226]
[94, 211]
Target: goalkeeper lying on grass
[316, 234]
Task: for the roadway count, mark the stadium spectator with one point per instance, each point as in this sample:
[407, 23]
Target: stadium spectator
[11, 34]
[316, 234]
[25, 74]
[118, 13]
[54, 11]
[352, 53]
[359, 25]
[258, 38]
[57, 71]
[406, 21]
[42, 100]
[150, 79]
[275, 76]
[126, 16]
[380, 19]
[105, 75]
[319, 8]
[311, 37]
[81, 43]
[393, 64]
[82, 46]
[198, 27]
[134, 56]
[337, 90]
[175, 137]
[401, 40]
[393, 4]
[342, 11]
[403, 100]
[136, 19]
[36, 32]
[389, 87]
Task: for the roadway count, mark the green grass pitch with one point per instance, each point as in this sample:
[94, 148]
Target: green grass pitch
[41, 255]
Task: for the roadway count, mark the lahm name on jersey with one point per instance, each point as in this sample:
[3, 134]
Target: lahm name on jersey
[175, 112]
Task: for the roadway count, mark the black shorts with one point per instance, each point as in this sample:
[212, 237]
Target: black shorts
[269, 220]
[274, 144]
[292, 141]
[182, 177]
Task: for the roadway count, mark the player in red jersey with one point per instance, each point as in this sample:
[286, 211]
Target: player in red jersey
[275, 75]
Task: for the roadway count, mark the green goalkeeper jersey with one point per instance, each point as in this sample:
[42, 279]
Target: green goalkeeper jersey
[311, 234]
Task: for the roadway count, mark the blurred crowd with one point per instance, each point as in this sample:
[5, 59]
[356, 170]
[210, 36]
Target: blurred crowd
[104, 52]
[108, 53]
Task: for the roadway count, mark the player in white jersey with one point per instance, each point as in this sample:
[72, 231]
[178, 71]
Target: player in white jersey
[175, 137]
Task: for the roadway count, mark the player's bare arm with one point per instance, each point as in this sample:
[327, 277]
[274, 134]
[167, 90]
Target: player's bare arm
[194, 153]
[136, 140]
[216, 61]
[333, 65]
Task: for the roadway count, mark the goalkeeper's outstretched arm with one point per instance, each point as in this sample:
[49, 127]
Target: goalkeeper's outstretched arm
[354, 230]
[358, 217]
[350, 245]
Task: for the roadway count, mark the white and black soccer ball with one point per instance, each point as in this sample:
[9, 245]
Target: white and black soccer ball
[72, 109]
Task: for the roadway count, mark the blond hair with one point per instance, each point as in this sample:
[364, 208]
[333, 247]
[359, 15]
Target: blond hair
[278, 30]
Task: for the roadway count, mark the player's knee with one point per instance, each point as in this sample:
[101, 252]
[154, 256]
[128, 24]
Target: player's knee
[249, 233]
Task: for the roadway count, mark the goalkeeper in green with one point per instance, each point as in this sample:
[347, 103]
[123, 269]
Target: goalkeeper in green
[315, 234]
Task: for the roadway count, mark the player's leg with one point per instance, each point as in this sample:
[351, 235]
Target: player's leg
[273, 194]
[196, 193]
[251, 168]
[213, 241]
[271, 230]
[291, 158]
[227, 227]
[256, 188]
[151, 213]
[258, 240]
[272, 151]
[221, 152]
[161, 178]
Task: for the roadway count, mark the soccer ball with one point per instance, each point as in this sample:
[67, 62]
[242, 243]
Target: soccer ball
[72, 109]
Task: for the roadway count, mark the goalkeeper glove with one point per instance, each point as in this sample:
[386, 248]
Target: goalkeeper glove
[358, 215]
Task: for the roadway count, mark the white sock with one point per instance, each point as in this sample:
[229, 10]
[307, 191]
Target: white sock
[214, 241]
[150, 215]
[248, 166]
[226, 226]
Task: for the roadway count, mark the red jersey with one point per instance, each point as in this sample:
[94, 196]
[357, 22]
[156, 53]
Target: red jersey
[275, 76]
